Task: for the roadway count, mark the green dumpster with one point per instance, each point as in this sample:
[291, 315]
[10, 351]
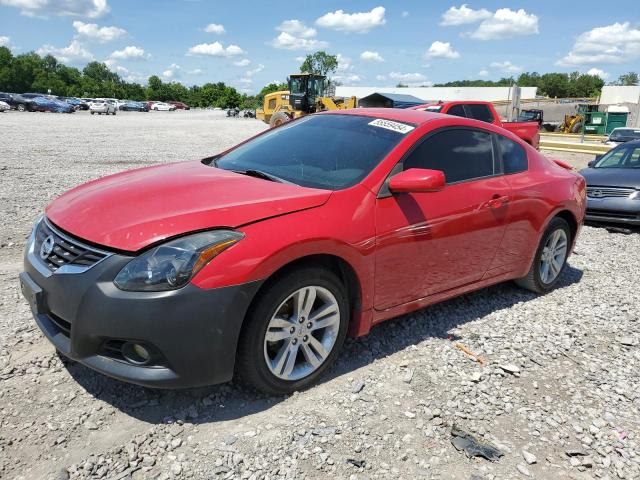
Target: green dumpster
[595, 123]
[616, 117]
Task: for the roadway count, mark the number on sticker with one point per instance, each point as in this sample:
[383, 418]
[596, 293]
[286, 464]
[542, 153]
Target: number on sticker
[390, 125]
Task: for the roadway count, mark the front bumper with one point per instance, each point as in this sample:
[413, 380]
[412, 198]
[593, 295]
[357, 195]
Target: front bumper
[194, 331]
[613, 210]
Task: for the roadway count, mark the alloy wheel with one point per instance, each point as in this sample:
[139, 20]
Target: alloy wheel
[302, 333]
[553, 256]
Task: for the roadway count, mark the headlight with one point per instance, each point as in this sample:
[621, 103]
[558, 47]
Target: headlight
[171, 265]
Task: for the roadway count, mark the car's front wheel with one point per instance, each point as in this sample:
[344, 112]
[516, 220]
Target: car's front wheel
[294, 331]
[21, 107]
[550, 258]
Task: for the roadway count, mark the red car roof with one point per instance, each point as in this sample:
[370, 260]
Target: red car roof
[399, 114]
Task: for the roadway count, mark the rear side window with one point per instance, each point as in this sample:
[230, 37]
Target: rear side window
[462, 154]
[514, 156]
[457, 110]
[480, 112]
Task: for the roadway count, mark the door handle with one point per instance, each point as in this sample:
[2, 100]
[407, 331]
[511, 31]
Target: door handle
[498, 201]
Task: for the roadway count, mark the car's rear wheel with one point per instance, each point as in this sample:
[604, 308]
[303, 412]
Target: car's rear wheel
[550, 258]
[21, 107]
[294, 331]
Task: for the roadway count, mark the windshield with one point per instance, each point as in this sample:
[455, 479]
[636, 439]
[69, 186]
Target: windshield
[320, 151]
[622, 157]
[297, 85]
[624, 134]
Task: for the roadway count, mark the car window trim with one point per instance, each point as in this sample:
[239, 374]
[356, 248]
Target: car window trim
[384, 191]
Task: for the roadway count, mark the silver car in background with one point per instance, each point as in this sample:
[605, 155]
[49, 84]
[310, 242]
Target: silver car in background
[103, 106]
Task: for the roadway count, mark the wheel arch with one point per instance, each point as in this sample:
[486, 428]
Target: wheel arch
[345, 272]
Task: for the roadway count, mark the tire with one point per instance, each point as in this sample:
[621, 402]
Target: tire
[92, 113]
[278, 119]
[576, 128]
[534, 280]
[21, 107]
[254, 351]
[114, 112]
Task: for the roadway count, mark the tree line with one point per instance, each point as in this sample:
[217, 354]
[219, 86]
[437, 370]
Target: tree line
[554, 85]
[30, 72]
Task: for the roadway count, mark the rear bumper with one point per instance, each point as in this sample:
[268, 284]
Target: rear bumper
[193, 332]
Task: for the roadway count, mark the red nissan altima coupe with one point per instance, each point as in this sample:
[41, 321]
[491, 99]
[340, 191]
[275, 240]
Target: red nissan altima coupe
[260, 260]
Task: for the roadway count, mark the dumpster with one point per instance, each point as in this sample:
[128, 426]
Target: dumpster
[595, 123]
[616, 117]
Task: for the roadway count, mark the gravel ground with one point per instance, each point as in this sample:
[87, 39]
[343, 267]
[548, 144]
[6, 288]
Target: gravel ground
[556, 393]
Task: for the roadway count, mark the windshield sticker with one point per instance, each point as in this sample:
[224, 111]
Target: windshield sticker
[393, 126]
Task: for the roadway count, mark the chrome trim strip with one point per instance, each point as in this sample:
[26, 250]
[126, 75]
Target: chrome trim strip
[64, 269]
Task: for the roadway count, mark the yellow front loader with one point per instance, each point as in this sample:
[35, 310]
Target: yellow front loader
[306, 95]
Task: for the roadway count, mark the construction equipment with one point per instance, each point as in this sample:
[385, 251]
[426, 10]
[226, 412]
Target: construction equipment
[573, 123]
[307, 94]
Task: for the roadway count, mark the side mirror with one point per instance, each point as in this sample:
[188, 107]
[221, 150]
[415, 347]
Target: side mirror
[417, 180]
[593, 162]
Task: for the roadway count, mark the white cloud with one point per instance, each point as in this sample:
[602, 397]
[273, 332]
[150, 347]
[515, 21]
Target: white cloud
[615, 43]
[441, 50]
[506, 23]
[297, 29]
[381, 78]
[506, 67]
[216, 49]
[286, 41]
[407, 77]
[483, 73]
[216, 28]
[251, 73]
[94, 32]
[301, 59]
[74, 53]
[348, 78]
[172, 72]
[405, 14]
[369, 56]
[130, 53]
[463, 15]
[360, 22]
[598, 73]
[5, 41]
[242, 63]
[196, 71]
[70, 8]
[344, 63]
[295, 35]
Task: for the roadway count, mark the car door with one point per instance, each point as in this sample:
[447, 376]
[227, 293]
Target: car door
[431, 242]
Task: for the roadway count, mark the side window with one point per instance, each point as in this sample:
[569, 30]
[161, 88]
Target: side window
[457, 110]
[514, 156]
[480, 112]
[462, 154]
[272, 103]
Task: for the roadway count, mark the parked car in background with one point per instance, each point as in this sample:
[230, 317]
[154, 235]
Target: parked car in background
[4, 106]
[17, 101]
[260, 259]
[43, 104]
[613, 185]
[33, 95]
[131, 106]
[163, 107]
[180, 105]
[486, 112]
[77, 103]
[102, 106]
[621, 135]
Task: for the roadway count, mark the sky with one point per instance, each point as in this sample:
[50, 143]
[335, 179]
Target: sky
[249, 44]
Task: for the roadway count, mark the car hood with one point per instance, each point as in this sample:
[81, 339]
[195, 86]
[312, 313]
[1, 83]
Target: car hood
[612, 177]
[132, 210]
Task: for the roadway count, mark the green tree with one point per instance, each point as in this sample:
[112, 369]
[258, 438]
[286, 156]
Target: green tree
[628, 79]
[320, 63]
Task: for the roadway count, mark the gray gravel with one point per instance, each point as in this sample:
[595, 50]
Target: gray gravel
[557, 394]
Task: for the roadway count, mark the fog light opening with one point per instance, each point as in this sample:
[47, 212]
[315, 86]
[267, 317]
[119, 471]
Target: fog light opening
[136, 353]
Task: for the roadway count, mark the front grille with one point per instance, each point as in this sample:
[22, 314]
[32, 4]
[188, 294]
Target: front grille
[604, 192]
[596, 212]
[62, 250]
